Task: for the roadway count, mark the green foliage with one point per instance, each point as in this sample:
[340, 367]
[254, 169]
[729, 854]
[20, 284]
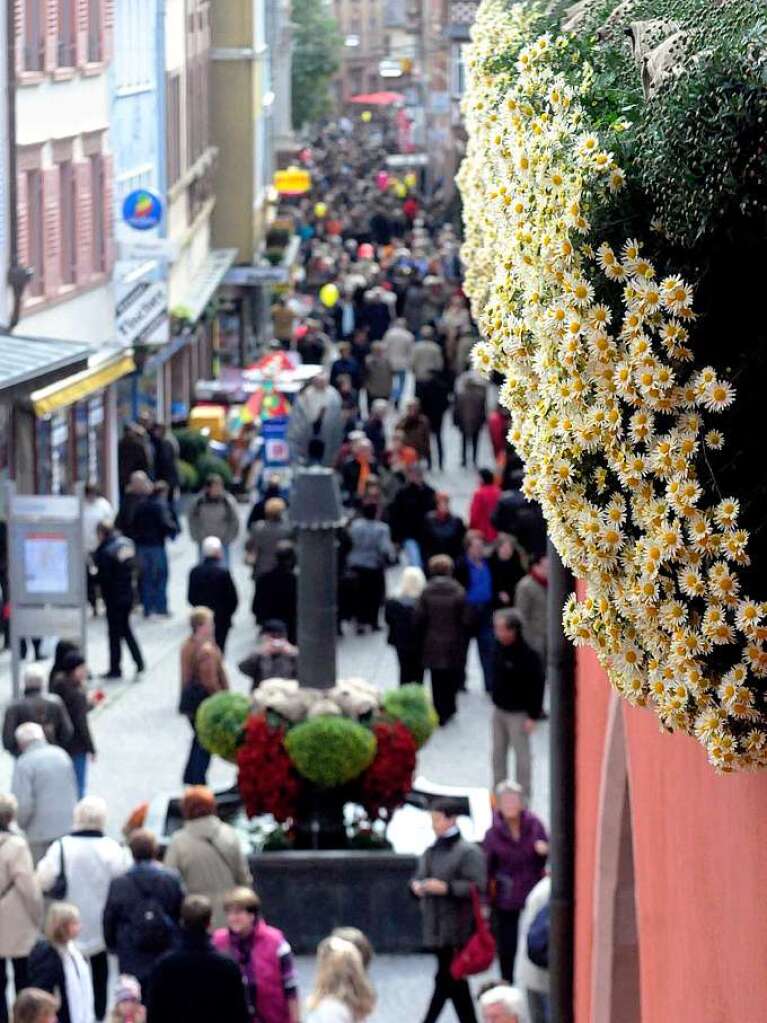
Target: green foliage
[209, 465]
[220, 721]
[316, 58]
[330, 751]
[188, 476]
[410, 705]
[192, 445]
[274, 256]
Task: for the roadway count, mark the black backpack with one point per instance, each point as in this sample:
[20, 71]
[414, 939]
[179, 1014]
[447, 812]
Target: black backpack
[150, 926]
[538, 939]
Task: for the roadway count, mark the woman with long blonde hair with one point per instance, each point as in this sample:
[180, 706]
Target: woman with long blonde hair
[342, 992]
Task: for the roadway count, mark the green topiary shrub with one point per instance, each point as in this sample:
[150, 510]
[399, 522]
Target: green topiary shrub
[210, 464]
[410, 705]
[330, 751]
[192, 445]
[189, 478]
[220, 722]
[274, 256]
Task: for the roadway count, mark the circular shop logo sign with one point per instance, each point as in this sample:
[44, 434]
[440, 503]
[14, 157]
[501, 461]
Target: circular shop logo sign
[142, 209]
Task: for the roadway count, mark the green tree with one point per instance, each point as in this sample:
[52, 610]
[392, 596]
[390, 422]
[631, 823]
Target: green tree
[316, 58]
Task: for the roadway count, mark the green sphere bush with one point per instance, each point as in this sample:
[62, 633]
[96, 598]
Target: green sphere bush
[220, 722]
[192, 445]
[209, 465]
[410, 705]
[330, 751]
[189, 478]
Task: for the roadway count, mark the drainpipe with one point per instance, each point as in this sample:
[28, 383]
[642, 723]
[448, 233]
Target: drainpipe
[18, 276]
[561, 675]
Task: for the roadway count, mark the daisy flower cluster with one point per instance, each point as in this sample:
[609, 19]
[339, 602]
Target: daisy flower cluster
[609, 409]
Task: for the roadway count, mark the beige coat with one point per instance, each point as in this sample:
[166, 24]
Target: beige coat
[208, 855]
[21, 905]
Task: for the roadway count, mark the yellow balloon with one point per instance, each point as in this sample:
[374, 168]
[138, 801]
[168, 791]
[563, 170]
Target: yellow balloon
[411, 180]
[329, 295]
[366, 116]
[320, 209]
[400, 190]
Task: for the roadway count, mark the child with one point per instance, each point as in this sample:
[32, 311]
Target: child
[128, 1007]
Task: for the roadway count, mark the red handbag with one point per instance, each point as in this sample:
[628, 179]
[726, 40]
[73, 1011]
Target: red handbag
[478, 953]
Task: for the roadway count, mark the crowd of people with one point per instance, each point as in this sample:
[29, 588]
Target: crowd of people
[392, 339]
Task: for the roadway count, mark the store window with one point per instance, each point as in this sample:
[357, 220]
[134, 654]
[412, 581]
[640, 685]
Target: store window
[53, 464]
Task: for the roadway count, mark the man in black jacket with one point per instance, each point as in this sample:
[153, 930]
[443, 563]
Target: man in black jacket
[46, 709]
[407, 514]
[196, 984]
[518, 697]
[153, 523]
[147, 888]
[211, 585]
[114, 559]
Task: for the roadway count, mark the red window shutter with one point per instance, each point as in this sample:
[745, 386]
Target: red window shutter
[52, 231]
[84, 221]
[108, 28]
[22, 218]
[50, 11]
[81, 32]
[109, 214]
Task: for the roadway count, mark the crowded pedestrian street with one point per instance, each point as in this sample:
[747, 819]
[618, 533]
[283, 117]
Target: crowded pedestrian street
[382, 561]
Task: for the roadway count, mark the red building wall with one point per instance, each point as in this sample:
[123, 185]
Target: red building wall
[700, 856]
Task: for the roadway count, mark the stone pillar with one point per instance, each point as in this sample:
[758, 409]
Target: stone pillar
[316, 512]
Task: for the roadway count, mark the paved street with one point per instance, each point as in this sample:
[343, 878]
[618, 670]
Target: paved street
[142, 742]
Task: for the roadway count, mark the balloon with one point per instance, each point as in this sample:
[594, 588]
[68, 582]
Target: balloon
[329, 295]
[382, 180]
[411, 180]
[366, 116]
[365, 251]
[320, 209]
[400, 190]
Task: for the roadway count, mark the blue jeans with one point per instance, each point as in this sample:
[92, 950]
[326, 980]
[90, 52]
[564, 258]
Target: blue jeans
[482, 631]
[400, 376]
[413, 553]
[80, 764]
[153, 578]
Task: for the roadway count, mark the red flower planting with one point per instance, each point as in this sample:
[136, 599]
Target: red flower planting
[389, 778]
[267, 780]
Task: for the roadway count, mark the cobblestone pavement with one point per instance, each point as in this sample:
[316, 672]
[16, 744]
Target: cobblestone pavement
[142, 742]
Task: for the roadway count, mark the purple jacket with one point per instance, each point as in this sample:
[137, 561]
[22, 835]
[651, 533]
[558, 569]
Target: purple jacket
[513, 867]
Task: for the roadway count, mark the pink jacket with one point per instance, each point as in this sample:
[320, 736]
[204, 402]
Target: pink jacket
[271, 1002]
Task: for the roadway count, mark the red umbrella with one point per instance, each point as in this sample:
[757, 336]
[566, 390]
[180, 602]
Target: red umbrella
[377, 99]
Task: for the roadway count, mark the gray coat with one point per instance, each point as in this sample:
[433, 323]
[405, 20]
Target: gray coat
[214, 517]
[448, 920]
[45, 787]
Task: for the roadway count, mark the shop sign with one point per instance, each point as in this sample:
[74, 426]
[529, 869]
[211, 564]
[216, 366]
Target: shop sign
[293, 181]
[142, 209]
[142, 313]
[252, 276]
[139, 248]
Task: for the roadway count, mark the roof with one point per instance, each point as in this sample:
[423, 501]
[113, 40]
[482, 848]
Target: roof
[104, 371]
[23, 359]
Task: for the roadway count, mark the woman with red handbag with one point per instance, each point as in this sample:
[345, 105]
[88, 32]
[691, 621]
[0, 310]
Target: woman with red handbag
[448, 881]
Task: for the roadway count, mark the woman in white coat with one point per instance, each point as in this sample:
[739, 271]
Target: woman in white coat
[21, 903]
[342, 992]
[90, 862]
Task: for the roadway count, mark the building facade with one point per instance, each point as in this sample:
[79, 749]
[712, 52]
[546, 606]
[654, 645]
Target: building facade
[65, 237]
[190, 162]
[361, 23]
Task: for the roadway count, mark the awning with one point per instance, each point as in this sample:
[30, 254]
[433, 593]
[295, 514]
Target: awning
[25, 359]
[377, 99]
[203, 284]
[71, 389]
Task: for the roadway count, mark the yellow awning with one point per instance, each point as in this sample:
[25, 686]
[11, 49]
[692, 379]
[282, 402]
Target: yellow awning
[71, 389]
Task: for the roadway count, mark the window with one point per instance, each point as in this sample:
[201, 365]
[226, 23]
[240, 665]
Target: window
[67, 222]
[35, 228]
[98, 224]
[95, 32]
[67, 34]
[173, 128]
[34, 38]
